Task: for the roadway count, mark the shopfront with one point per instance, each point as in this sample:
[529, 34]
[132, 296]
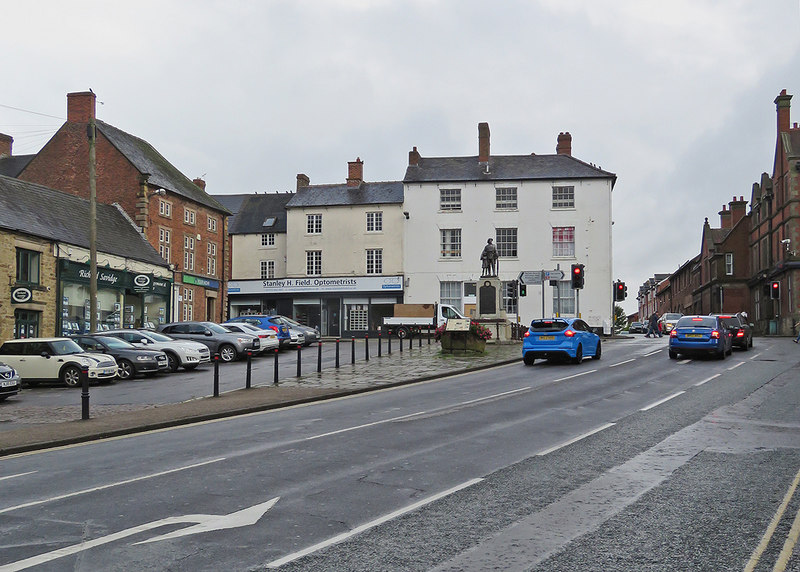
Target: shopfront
[124, 299]
[338, 306]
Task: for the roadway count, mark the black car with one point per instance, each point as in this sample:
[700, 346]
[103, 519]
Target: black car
[740, 328]
[132, 361]
[637, 328]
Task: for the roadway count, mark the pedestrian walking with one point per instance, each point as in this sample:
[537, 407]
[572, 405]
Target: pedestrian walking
[652, 326]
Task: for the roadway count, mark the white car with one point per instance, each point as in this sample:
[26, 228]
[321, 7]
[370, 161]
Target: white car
[269, 338]
[56, 359]
[180, 353]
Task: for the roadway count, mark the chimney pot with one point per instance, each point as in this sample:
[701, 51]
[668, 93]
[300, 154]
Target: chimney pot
[81, 106]
[782, 105]
[302, 180]
[564, 144]
[483, 142]
[200, 183]
[355, 172]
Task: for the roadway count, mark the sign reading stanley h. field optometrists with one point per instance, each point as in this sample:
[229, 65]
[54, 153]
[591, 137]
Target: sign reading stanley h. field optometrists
[318, 284]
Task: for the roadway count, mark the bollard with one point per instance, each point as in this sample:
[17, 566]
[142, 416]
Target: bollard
[410, 341]
[389, 344]
[216, 375]
[276, 367]
[400, 342]
[353, 351]
[420, 338]
[366, 347]
[379, 344]
[337, 353]
[429, 335]
[249, 369]
[84, 392]
[319, 356]
[299, 357]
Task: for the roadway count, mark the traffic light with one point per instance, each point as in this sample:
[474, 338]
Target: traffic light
[577, 276]
[620, 291]
[523, 289]
[775, 290]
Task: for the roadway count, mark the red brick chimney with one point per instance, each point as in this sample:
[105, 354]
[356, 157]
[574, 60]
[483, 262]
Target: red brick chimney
[355, 172]
[725, 217]
[564, 144]
[483, 143]
[81, 106]
[302, 181]
[6, 141]
[782, 105]
[413, 157]
[737, 209]
[200, 183]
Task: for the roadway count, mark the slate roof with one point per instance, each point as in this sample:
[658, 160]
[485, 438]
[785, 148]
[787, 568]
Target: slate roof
[14, 165]
[44, 212]
[503, 168]
[388, 192]
[163, 174]
[256, 209]
[231, 202]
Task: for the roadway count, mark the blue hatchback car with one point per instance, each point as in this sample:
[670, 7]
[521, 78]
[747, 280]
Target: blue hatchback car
[700, 335]
[560, 338]
[267, 322]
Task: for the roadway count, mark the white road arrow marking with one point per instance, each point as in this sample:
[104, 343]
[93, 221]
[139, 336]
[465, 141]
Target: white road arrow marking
[205, 523]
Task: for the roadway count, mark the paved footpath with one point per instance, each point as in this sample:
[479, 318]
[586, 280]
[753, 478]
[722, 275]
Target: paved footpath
[63, 425]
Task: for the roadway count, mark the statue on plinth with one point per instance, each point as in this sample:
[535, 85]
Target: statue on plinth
[489, 260]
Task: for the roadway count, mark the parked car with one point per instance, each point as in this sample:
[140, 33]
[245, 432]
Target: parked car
[266, 322]
[229, 345]
[637, 328]
[269, 338]
[700, 335]
[560, 338]
[180, 353]
[132, 361]
[668, 321]
[56, 359]
[741, 329]
[311, 334]
[9, 381]
[296, 337]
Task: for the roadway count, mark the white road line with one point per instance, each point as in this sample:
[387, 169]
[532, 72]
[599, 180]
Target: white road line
[17, 475]
[755, 356]
[660, 401]
[706, 380]
[735, 366]
[108, 486]
[622, 362]
[574, 440]
[372, 524]
[576, 375]
[653, 353]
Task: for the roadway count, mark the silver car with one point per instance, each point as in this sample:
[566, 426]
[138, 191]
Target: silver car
[229, 345]
[310, 335]
[269, 338]
[180, 353]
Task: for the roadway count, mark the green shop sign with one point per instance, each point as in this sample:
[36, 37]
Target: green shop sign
[110, 278]
[200, 281]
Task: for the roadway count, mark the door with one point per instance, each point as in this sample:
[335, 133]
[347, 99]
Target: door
[331, 317]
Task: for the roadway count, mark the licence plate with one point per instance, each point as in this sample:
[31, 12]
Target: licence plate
[109, 370]
[694, 335]
[6, 383]
[547, 338]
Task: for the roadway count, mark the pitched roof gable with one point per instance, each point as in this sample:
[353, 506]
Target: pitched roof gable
[53, 215]
[256, 209]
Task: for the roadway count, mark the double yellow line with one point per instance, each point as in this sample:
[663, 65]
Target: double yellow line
[791, 539]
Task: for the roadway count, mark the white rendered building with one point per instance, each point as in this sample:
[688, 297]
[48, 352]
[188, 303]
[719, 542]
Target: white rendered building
[544, 212]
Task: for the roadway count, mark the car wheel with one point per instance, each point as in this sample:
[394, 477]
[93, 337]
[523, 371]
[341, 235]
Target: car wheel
[125, 369]
[402, 333]
[598, 352]
[528, 359]
[578, 355]
[71, 376]
[173, 362]
[190, 366]
[673, 355]
[227, 353]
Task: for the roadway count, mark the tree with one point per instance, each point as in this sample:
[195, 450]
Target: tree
[620, 319]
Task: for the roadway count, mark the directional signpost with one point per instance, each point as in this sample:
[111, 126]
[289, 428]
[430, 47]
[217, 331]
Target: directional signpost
[537, 277]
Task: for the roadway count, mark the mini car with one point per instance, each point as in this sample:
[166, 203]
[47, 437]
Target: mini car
[560, 339]
[700, 335]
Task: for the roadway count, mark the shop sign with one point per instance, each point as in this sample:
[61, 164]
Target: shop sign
[306, 285]
[200, 281]
[21, 295]
[141, 283]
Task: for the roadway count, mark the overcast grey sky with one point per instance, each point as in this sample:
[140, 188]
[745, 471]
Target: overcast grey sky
[674, 97]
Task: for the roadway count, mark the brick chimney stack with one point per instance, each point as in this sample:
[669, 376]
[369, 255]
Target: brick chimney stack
[355, 172]
[413, 157]
[564, 144]
[200, 183]
[302, 181]
[782, 105]
[81, 106]
[483, 143]
[737, 209]
[725, 217]
[6, 141]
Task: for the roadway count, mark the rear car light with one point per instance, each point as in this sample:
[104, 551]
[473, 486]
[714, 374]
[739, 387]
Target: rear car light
[739, 333]
[569, 333]
[527, 333]
[673, 334]
[274, 328]
[715, 334]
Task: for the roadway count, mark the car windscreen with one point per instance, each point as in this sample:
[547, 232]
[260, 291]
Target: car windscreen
[217, 328]
[732, 322]
[548, 325]
[672, 317]
[115, 343]
[157, 336]
[697, 322]
[65, 347]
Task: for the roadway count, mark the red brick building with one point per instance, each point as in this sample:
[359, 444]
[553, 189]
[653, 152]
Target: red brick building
[185, 224]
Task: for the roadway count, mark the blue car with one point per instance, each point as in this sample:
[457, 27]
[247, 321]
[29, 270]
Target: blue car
[266, 322]
[560, 339]
[700, 335]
